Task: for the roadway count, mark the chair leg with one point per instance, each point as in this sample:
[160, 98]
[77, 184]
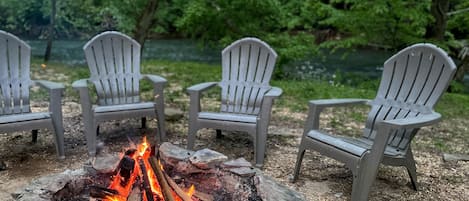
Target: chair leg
[34, 135]
[144, 122]
[91, 131]
[260, 144]
[411, 169]
[299, 160]
[219, 135]
[360, 189]
[363, 179]
[160, 117]
[59, 136]
[191, 137]
[91, 139]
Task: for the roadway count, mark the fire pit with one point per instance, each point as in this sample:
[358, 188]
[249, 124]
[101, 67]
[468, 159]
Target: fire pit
[167, 172]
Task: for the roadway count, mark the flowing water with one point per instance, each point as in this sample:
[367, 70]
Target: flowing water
[363, 64]
[71, 51]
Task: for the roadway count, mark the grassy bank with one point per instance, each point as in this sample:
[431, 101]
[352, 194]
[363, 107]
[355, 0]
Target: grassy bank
[181, 75]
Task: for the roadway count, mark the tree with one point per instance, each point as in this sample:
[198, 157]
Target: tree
[145, 21]
[51, 31]
[438, 10]
[138, 17]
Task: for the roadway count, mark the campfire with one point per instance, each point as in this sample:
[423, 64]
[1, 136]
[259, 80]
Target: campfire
[140, 176]
[156, 173]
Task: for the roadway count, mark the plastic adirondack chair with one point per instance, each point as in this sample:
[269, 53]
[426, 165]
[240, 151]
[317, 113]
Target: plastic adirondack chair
[114, 62]
[246, 96]
[413, 80]
[15, 81]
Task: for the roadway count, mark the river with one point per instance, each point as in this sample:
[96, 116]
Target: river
[366, 63]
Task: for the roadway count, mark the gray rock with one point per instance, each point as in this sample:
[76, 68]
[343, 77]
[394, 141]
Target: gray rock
[106, 163]
[173, 154]
[173, 114]
[44, 187]
[206, 158]
[268, 189]
[240, 162]
[243, 171]
[455, 157]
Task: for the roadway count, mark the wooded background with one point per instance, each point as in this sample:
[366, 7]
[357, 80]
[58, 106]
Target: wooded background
[295, 28]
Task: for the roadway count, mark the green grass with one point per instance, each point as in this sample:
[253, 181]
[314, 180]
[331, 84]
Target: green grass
[296, 93]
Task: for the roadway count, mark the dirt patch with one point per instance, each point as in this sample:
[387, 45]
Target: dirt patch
[321, 178]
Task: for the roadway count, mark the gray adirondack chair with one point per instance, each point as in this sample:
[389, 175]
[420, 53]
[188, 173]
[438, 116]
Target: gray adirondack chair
[114, 62]
[246, 96]
[15, 81]
[413, 80]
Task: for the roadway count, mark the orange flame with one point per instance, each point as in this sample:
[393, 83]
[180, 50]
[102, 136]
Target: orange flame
[142, 147]
[191, 191]
[142, 153]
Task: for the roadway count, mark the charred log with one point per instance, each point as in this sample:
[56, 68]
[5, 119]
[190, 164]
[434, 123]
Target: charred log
[102, 192]
[146, 181]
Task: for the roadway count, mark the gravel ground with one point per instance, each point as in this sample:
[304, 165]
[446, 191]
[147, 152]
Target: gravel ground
[321, 178]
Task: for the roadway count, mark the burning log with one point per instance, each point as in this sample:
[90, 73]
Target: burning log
[126, 167]
[146, 181]
[176, 188]
[185, 196]
[102, 192]
[166, 190]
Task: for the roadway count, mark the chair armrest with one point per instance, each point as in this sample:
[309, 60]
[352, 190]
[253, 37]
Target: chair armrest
[198, 88]
[274, 92]
[85, 100]
[158, 85]
[194, 98]
[49, 85]
[316, 107]
[79, 84]
[386, 128]
[55, 98]
[414, 122]
[155, 79]
[267, 103]
[323, 103]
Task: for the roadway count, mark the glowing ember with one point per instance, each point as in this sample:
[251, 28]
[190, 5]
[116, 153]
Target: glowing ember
[140, 172]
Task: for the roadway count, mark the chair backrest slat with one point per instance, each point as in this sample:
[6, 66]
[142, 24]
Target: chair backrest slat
[413, 81]
[14, 74]
[247, 68]
[243, 68]
[253, 59]
[114, 62]
[117, 49]
[25, 54]
[109, 61]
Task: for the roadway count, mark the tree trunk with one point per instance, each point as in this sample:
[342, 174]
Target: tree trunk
[51, 31]
[438, 10]
[145, 22]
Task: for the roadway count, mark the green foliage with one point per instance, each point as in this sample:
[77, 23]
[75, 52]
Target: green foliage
[74, 19]
[125, 13]
[386, 23]
[226, 21]
[222, 22]
[22, 16]
[458, 23]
